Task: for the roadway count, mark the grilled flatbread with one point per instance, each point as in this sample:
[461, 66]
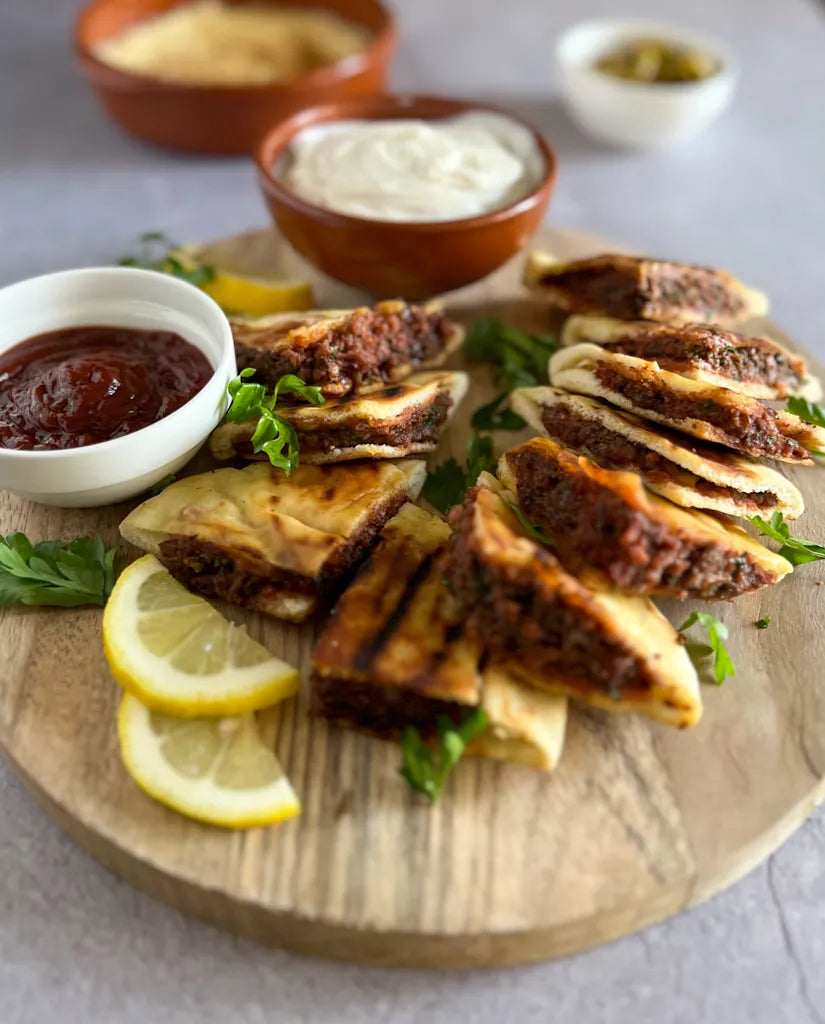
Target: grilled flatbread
[606, 529]
[346, 352]
[553, 632]
[395, 654]
[756, 366]
[688, 472]
[402, 419]
[282, 545]
[636, 288]
[702, 410]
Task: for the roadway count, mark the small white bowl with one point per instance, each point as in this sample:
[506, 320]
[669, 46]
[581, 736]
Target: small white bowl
[112, 471]
[640, 115]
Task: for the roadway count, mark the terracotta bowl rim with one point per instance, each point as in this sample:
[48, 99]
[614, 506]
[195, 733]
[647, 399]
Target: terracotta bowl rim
[276, 140]
[385, 38]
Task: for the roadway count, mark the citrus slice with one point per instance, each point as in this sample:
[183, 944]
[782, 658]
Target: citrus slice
[216, 770]
[245, 295]
[180, 656]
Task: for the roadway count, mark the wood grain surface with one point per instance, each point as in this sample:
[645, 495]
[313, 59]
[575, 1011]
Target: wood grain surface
[637, 823]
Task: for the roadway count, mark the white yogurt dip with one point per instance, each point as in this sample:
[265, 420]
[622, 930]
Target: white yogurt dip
[411, 170]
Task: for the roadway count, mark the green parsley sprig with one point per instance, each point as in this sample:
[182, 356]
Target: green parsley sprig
[532, 530]
[520, 358]
[273, 435]
[55, 573]
[157, 252]
[764, 622]
[717, 635]
[797, 550]
[496, 416]
[425, 770]
[446, 485]
[807, 411]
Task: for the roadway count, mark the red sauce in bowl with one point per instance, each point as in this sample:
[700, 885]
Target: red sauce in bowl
[82, 385]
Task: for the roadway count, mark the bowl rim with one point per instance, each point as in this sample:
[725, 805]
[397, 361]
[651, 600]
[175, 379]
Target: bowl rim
[385, 38]
[274, 143]
[728, 61]
[223, 364]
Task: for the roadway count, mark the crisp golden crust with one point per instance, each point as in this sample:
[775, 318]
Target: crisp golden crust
[264, 540]
[607, 529]
[397, 421]
[638, 288]
[609, 650]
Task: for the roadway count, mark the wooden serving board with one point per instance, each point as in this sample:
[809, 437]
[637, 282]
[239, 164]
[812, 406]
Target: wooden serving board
[511, 865]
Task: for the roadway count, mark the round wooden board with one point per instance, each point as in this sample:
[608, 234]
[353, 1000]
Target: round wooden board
[511, 865]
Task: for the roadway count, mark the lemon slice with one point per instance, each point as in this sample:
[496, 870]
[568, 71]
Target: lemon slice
[216, 770]
[244, 295]
[179, 656]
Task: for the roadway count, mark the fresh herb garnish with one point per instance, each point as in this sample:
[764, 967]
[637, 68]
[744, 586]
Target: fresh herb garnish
[53, 573]
[273, 435]
[163, 483]
[764, 622]
[717, 634]
[535, 532]
[157, 252]
[425, 771]
[810, 412]
[494, 416]
[795, 549]
[520, 358]
[446, 484]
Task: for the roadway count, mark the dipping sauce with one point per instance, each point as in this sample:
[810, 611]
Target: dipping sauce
[413, 170]
[653, 60]
[82, 385]
[208, 42]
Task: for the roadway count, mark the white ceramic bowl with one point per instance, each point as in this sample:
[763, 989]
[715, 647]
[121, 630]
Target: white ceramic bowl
[111, 471]
[640, 115]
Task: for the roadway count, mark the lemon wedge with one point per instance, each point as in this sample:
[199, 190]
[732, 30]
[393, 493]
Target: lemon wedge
[179, 656]
[216, 770]
[245, 295]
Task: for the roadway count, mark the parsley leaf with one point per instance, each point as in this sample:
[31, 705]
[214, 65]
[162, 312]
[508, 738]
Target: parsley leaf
[493, 417]
[534, 531]
[163, 483]
[764, 622]
[426, 771]
[807, 411]
[795, 549]
[446, 484]
[273, 435]
[157, 252]
[520, 358]
[717, 634]
[53, 573]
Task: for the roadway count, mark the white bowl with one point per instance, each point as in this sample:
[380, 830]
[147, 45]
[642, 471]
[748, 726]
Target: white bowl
[111, 471]
[640, 115]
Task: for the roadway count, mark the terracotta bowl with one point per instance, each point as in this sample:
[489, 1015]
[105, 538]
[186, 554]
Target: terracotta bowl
[413, 260]
[223, 118]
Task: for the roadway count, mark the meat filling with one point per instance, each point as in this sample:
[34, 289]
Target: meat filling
[362, 351]
[244, 578]
[674, 288]
[591, 526]
[700, 347]
[614, 451]
[515, 617]
[749, 429]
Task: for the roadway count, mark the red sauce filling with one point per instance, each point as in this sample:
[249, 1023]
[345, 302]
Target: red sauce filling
[82, 385]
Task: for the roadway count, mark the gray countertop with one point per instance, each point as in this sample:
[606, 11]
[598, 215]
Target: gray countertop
[76, 944]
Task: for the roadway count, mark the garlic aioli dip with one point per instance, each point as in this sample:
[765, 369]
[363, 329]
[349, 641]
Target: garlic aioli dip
[412, 170]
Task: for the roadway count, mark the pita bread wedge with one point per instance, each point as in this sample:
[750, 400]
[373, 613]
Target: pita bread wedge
[395, 654]
[551, 631]
[399, 420]
[756, 366]
[281, 545]
[605, 528]
[346, 352]
[702, 410]
[688, 472]
[637, 288]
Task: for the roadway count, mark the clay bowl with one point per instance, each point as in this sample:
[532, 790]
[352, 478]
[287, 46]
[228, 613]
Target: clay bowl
[387, 258]
[223, 118]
